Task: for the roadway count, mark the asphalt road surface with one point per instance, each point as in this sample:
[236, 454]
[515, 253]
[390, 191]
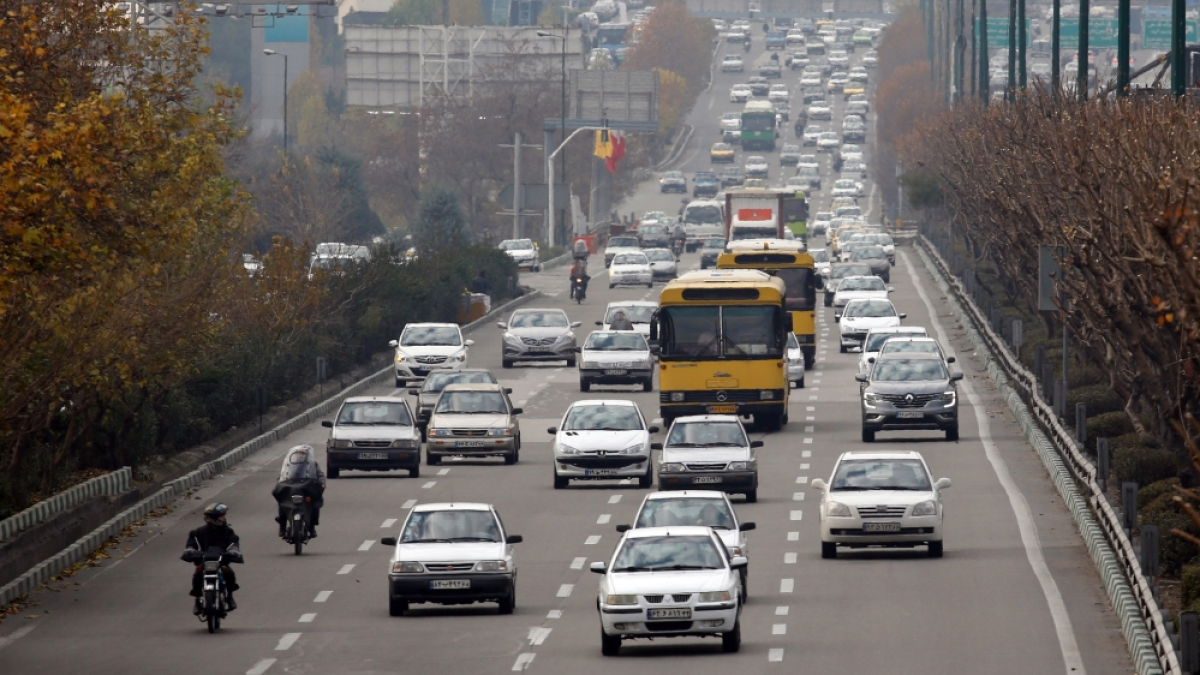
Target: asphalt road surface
[1015, 593]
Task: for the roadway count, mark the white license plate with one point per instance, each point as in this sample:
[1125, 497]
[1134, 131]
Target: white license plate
[539, 349]
[881, 527]
[599, 472]
[443, 584]
[372, 455]
[909, 415]
[469, 444]
[616, 372]
[706, 479]
[681, 613]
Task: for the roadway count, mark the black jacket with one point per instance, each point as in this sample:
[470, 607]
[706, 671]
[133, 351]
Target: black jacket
[204, 537]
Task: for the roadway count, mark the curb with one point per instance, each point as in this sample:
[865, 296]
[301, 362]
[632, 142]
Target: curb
[1133, 625]
[110, 484]
[679, 146]
[78, 551]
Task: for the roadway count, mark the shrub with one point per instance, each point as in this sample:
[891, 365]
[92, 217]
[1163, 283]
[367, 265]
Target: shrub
[1098, 398]
[1150, 493]
[1109, 424]
[1190, 586]
[1142, 464]
[1174, 552]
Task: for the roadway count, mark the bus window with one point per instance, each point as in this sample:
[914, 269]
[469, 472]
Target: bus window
[751, 331]
[690, 331]
[720, 332]
[801, 293]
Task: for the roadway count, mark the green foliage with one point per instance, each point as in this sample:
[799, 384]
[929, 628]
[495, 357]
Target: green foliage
[1150, 493]
[1142, 464]
[1109, 424]
[440, 225]
[922, 189]
[1190, 586]
[1099, 398]
[1174, 552]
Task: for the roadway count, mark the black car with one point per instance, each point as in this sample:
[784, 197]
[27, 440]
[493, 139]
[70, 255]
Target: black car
[838, 271]
[732, 176]
[759, 86]
[770, 69]
[673, 181]
[813, 94]
[655, 236]
[909, 390]
[713, 246]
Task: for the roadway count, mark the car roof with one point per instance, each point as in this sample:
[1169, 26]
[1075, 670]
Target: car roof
[706, 418]
[474, 386]
[631, 303]
[685, 494]
[920, 330]
[907, 356]
[670, 531]
[604, 401]
[429, 324]
[880, 454]
[531, 310]
[371, 399]
[452, 506]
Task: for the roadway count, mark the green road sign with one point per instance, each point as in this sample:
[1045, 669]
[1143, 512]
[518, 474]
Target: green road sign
[997, 32]
[1102, 33]
[1156, 33]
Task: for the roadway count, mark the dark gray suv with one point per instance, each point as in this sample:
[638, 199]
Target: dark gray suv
[909, 391]
[839, 271]
[876, 259]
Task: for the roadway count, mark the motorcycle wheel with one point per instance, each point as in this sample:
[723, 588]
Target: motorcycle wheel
[298, 535]
[579, 297]
[210, 611]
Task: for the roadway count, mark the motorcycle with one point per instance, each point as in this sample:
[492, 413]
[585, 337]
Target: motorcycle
[578, 289]
[213, 603]
[295, 507]
[746, 45]
[677, 247]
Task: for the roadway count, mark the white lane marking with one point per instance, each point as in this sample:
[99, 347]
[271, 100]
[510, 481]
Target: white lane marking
[592, 540]
[781, 610]
[346, 569]
[807, 430]
[817, 381]
[564, 591]
[390, 522]
[818, 373]
[25, 630]
[308, 618]
[366, 545]
[614, 499]
[578, 563]
[286, 642]
[789, 558]
[261, 667]
[604, 518]
[775, 655]
[538, 635]
[797, 496]
[322, 596]
[810, 418]
[802, 480]
[1029, 536]
[803, 467]
[523, 661]
[779, 629]
[793, 536]
[522, 401]
[409, 504]
[429, 484]
[797, 514]
[808, 440]
[810, 409]
[443, 472]
[812, 398]
[554, 614]
[786, 585]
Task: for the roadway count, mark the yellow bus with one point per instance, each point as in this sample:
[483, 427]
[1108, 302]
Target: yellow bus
[789, 261]
[721, 337]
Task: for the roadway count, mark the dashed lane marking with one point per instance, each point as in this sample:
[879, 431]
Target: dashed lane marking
[775, 656]
[523, 661]
[346, 569]
[810, 409]
[261, 667]
[614, 499]
[409, 504]
[390, 522]
[554, 614]
[793, 536]
[779, 629]
[286, 642]
[808, 440]
[797, 514]
[786, 585]
[429, 485]
[322, 596]
[592, 540]
[806, 454]
[604, 518]
[808, 429]
[803, 467]
[443, 472]
[308, 618]
[789, 558]
[578, 563]
[797, 496]
[781, 610]
[538, 635]
[564, 591]
[366, 545]
[802, 480]
[810, 418]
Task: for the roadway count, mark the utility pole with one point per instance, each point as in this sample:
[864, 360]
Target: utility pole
[1178, 47]
[1122, 47]
[1022, 39]
[960, 52]
[518, 203]
[1084, 12]
[1012, 50]
[985, 85]
[974, 51]
[1055, 62]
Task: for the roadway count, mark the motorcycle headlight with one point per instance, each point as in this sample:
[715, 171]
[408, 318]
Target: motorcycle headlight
[404, 443]
[620, 600]
[925, 508]
[567, 450]
[714, 596]
[438, 432]
[671, 467]
[491, 566]
[632, 450]
[743, 466]
[407, 568]
[342, 443]
[837, 510]
[500, 431]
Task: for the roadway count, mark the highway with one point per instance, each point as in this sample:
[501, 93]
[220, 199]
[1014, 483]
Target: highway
[1016, 592]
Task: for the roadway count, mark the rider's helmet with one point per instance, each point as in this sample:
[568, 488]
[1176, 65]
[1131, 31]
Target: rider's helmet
[214, 514]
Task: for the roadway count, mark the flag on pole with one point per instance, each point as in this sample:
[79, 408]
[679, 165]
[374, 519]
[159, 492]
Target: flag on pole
[604, 144]
[617, 139]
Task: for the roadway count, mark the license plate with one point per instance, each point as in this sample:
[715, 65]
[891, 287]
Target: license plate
[372, 455]
[539, 349]
[881, 527]
[468, 444]
[616, 372]
[715, 409]
[600, 472]
[910, 415]
[443, 584]
[681, 613]
[706, 479]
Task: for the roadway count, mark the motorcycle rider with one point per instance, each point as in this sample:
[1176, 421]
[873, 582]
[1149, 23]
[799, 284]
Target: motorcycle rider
[215, 533]
[579, 271]
[746, 44]
[620, 322]
[300, 473]
[680, 236]
[580, 250]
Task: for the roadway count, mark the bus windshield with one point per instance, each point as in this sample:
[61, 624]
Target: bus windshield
[801, 293]
[758, 122]
[721, 332]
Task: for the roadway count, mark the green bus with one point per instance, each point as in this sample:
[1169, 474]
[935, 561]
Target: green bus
[758, 126]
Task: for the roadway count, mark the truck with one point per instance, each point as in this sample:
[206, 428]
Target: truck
[765, 214]
[702, 218]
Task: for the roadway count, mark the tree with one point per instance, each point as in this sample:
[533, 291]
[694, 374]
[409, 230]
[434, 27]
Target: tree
[309, 117]
[440, 225]
[675, 41]
[673, 100]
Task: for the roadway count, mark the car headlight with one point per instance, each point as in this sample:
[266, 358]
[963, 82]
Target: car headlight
[633, 449]
[341, 443]
[714, 596]
[407, 568]
[461, 356]
[404, 443]
[491, 566]
[766, 395]
[565, 337]
[402, 357]
[620, 600]
[589, 365]
[925, 508]
[743, 466]
[837, 510]
[872, 398]
[500, 431]
[949, 398]
[438, 432]
[568, 450]
[509, 337]
[643, 364]
[671, 467]
[677, 396]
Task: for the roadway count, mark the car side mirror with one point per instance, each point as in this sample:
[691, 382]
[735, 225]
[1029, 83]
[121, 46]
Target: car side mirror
[576, 324]
[949, 359]
[817, 483]
[903, 315]
[577, 350]
[599, 567]
[327, 424]
[746, 527]
[757, 444]
[654, 349]
[861, 377]
[413, 391]
[871, 359]
[624, 528]
[891, 289]
[552, 430]
[517, 411]
[469, 343]
[653, 429]
[955, 377]
[393, 343]
[656, 446]
[388, 541]
[508, 390]
[600, 323]
[502, 324]
[837, 317]
[738, 561]
[514, 539]
[942, 483]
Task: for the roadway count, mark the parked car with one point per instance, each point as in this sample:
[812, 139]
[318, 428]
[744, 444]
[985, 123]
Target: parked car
[473, 420]
[372, 433]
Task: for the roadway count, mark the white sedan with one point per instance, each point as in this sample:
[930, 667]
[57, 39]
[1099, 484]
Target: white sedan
[875, 339]
[663, 264]
[732, 63]
[847, 187]
[828, 141]
[795, 362]
[810, 80]
[670, 582]
[858, 288]
[602, 440]
[630, 268]
[861, 316]
[756, 166]
[820, 111]
[739, 93]
[616, 357]
[881, 499]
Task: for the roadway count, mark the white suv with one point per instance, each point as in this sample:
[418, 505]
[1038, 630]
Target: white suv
[425, 347]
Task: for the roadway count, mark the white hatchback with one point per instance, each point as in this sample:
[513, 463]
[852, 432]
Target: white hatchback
[631, 268]
[425, 347]
[860, 316]
[602, 440]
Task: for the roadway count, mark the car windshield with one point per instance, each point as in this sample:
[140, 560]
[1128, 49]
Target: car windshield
[616, 342]
[450, 526]
[653, 229]
[653, 554]
[631, 259]
[714, 513]
[875, 341]
[820, 255]
[471, 402]
[660, 255]
[864, 284]
[844, 183]
[623, 242]
[869, 308]
[431, 336]
[702, 214]
[706, 434]
[868, 252]
[756, 159]
[809, 171]
[516, 245]
[793, 343]
[603, 418]
[800, 294]
[918, 346]
[880, 474]
[539, 320]
[841, 271]
[375, 412]
[722, 146]
[635, 313]
[436, 382]
[714, 243]
[813, 129]
[909, 370]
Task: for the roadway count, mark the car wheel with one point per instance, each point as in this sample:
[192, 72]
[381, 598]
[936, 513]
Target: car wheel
[400, 383]
[752, 497]
[648, 385]
[560, 482]
[842, 349]
[432, 459]
[611, 285]
[585, 386]
[868, 435]
[649, 284]
[512, 457]
[334, 471]
[935, 549]
[397, 607]
[647, 480]
[800, 383]
[571, 363]
[509, 602]
[415, 472]
[828, 550]
[952, 433]
[828, 300]
[745, 586]
[731, 641]
[507, 363]
[610, 645]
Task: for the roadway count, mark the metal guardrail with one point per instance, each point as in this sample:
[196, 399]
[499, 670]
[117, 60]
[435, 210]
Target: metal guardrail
[1026, 384]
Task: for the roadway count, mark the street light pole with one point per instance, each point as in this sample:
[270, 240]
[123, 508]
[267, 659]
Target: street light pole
[562, 113]
[272, 52]
[550, 172]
